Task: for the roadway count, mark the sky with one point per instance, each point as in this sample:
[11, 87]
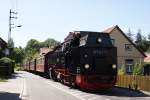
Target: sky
[42, 19]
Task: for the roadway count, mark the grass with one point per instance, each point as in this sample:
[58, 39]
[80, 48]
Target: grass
[18, 68]
[3, 80]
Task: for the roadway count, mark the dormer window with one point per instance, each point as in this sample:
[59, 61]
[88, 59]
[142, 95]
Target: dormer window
[128, 47]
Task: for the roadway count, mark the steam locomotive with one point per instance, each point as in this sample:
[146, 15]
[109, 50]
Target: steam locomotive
[85, 59]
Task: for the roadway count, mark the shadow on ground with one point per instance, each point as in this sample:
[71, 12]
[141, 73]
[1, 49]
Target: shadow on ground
[9, 96]
[120, 92]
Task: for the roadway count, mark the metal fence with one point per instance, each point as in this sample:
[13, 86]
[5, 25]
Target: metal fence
[134, 82]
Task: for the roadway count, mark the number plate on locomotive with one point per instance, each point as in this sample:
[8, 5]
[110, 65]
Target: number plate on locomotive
[99, 52]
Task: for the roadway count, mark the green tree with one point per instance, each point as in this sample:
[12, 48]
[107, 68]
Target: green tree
[138, 69]
[50, 43]
[138, 37]
[10, 43]
[130, 35]
[18, 54]
[142, 42]
[32, 44]
[149, 36]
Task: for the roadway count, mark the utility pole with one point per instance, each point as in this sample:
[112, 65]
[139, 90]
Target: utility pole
[11, 16]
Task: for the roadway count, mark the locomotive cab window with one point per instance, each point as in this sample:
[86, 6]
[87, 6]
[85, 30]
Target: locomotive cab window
[83, 40]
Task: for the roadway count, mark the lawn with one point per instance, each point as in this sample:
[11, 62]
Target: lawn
[3, 80]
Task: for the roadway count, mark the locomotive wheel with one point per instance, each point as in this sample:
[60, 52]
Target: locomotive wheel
[52, 75]
[62, 79]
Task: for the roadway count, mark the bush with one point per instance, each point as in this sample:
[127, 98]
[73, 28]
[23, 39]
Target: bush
[138, 69]
[6, 66]
[5, 61]
[121, 70]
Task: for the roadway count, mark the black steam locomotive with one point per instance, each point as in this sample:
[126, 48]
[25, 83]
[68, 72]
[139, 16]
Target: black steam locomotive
[85, 59]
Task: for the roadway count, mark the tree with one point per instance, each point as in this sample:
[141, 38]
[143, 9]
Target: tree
[130, 35]
[50, 43]
[141, 42]
[18, 54]
[149, 36]
[32, 44]
[138, 37]
[10, 43]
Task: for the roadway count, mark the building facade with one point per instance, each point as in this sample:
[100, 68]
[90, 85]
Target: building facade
[3, 48]
[127, 52]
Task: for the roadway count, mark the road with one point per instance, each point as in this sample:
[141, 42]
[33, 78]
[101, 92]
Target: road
[39, 88]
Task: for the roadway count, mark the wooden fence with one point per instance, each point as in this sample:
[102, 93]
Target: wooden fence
[134, 82]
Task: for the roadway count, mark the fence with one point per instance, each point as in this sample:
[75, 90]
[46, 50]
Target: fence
[134, 82]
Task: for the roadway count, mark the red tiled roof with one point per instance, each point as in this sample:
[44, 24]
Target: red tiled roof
[45, 50]
[109, 30]
[147, 59]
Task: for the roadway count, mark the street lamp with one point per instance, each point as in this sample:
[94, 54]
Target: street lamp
[11, 16]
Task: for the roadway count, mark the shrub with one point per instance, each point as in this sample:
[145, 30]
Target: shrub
[121, 70]
[138, 69]
[6, 66]
[5, 61]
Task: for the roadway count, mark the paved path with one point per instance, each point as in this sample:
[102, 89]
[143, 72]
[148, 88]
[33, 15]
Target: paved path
[28, 86]
[38, 88]
[11, 90]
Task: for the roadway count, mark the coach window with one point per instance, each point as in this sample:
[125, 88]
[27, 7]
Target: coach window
[128, 47]
[129, 65]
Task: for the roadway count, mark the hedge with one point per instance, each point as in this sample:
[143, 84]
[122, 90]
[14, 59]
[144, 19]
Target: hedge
[6, 66]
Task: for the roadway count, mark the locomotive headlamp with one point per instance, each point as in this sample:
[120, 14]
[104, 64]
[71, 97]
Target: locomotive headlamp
[85, 55]
[114, 66]
[86, 66]
[99, 40]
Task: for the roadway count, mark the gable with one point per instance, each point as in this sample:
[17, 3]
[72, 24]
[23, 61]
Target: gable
[3, 44]
[121, 39]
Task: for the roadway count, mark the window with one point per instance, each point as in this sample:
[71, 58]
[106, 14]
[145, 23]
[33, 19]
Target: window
[129, 65]
[83, 40]
[128, 47]
[113, 41]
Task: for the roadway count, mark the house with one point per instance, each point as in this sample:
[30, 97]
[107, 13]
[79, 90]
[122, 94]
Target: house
[147, 58]
[147, 64]
[3, 44]
[127, 52]
[3, 48]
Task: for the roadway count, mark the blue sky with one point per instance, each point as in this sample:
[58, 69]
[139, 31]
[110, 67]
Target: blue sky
[42, 19]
